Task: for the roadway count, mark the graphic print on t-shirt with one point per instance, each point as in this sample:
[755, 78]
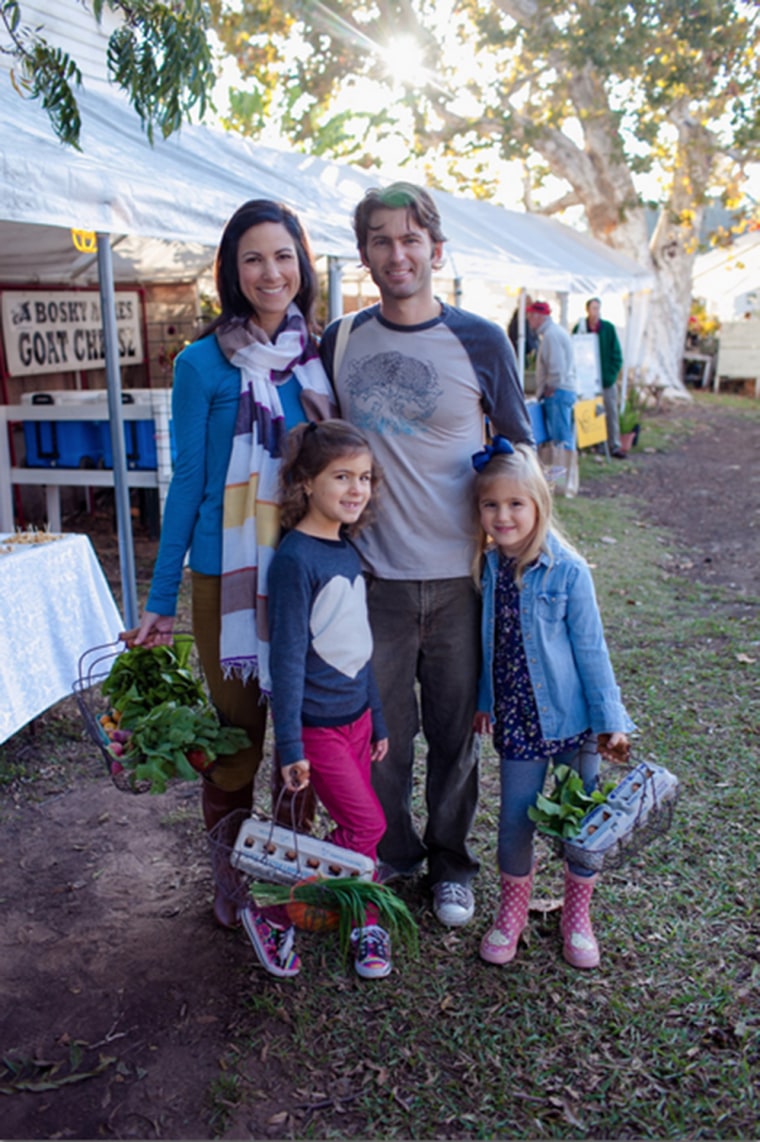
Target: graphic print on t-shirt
[340, 631]
[392, 393]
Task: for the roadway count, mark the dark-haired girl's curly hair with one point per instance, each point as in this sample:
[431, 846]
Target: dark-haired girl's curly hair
[309, 448]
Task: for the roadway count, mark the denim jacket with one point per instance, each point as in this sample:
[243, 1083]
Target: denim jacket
[568, 661]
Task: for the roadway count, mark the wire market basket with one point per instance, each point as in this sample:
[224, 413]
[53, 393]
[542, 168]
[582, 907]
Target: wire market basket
[93, 668]
[637, 811]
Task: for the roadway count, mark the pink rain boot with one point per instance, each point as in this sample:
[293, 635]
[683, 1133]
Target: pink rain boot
[580, 947]
[499, 944]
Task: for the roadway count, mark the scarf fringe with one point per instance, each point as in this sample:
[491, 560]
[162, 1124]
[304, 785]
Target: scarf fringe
[244, 669]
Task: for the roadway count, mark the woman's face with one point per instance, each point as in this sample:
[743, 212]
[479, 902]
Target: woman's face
[267, 265]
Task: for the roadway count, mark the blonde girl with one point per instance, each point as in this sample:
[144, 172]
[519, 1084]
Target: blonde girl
[547, 690]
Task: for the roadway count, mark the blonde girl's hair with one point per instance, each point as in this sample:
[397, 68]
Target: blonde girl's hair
[309, 448]
[524, 467]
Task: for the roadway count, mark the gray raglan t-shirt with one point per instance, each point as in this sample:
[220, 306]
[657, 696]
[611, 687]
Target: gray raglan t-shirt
[420, 393]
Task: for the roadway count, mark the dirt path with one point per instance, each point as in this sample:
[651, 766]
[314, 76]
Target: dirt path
[706, 491]
[112, 968]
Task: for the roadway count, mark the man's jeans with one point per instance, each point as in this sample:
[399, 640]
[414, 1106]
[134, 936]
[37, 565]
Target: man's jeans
[427, 631]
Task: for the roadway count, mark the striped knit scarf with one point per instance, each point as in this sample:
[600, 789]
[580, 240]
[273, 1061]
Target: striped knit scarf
[251, 520]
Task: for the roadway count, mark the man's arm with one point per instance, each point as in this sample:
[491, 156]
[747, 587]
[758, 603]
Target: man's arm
[503, 398]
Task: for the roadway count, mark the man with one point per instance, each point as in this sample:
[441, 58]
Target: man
[611, 362]
[417, 376]
[557, 389]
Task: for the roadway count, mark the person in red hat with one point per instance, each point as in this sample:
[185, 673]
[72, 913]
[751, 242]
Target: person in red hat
[556, 389]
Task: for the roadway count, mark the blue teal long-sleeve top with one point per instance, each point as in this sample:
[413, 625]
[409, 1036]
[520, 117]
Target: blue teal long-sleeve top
[205, 397]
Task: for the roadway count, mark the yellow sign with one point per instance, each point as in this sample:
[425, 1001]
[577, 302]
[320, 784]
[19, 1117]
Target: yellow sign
[589, 422]
[85, 241]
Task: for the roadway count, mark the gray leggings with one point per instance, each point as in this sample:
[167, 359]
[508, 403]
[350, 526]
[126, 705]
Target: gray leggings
[521, 781]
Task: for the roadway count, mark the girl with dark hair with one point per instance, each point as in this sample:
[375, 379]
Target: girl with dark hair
[328, 723]
[253, 374]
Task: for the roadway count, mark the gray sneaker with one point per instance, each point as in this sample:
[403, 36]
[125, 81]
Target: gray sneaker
[453, 904]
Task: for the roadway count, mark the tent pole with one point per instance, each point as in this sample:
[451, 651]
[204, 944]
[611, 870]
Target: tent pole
[334, 288]
[113, 381]
[521, 336]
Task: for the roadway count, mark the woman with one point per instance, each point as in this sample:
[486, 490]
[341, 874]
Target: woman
[253, 374]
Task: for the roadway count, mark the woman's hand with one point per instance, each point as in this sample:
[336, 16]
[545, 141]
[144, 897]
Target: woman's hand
[154, 630]
[482, 723]
[378, 750]
[614, 747]
[296, 775]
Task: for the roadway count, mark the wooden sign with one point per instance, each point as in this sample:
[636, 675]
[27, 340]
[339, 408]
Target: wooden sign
[59, 331]
[590, 423]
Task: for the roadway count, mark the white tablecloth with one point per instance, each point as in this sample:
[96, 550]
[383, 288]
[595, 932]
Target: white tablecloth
[55, 604]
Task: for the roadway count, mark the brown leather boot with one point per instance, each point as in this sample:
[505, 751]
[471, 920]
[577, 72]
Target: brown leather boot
[217, 803]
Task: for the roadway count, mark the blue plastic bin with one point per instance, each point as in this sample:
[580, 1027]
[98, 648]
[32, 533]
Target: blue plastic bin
[139, 437]
[61, 443]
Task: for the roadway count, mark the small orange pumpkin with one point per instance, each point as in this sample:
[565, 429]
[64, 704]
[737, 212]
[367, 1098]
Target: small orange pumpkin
[311, 917]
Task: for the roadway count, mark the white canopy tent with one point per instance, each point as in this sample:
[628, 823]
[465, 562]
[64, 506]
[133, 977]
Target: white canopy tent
[727, 279]
[159, 211]
[164, 206]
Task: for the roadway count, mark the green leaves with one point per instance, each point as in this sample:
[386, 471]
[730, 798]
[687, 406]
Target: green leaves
[350, 898]
[159, 56]
[144, 677]
[157, 750]
[165, 706]
[561, 813]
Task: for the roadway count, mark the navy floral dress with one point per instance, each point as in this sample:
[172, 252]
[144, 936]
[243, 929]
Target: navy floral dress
[517, 730]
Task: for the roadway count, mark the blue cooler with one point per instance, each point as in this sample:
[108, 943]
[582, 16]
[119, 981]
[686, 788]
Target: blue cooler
[139, 436]
[62, 443]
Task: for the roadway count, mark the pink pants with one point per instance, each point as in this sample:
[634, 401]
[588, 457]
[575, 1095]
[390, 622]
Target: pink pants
[339, 757]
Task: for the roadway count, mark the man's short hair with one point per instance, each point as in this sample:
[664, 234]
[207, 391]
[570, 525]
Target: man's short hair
[591, 301]
[398, 196]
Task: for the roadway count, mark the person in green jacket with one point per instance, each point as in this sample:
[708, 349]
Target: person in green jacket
[611, 361]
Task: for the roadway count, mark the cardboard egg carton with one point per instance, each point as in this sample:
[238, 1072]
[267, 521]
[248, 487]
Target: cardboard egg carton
[612, 826]
[270, 852]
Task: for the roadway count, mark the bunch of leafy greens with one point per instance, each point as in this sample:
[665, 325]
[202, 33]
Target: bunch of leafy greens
[144, 677]
[162, 739]
[561, 813]
[350, 898]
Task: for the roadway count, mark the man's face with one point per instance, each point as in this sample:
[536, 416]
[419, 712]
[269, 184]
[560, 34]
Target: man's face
[535, 320]
[594, 310]
[400, 255]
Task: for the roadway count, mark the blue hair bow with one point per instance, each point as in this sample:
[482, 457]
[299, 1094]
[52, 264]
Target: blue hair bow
[498, 446]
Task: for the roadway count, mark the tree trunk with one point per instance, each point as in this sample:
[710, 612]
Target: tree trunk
[603, 182]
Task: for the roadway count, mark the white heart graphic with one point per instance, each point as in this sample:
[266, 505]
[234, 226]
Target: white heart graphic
[340, 627]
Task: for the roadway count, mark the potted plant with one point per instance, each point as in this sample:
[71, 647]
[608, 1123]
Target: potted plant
[630, 420]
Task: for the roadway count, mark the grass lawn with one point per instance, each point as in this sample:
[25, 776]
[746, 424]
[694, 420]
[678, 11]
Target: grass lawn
[663, 1041]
